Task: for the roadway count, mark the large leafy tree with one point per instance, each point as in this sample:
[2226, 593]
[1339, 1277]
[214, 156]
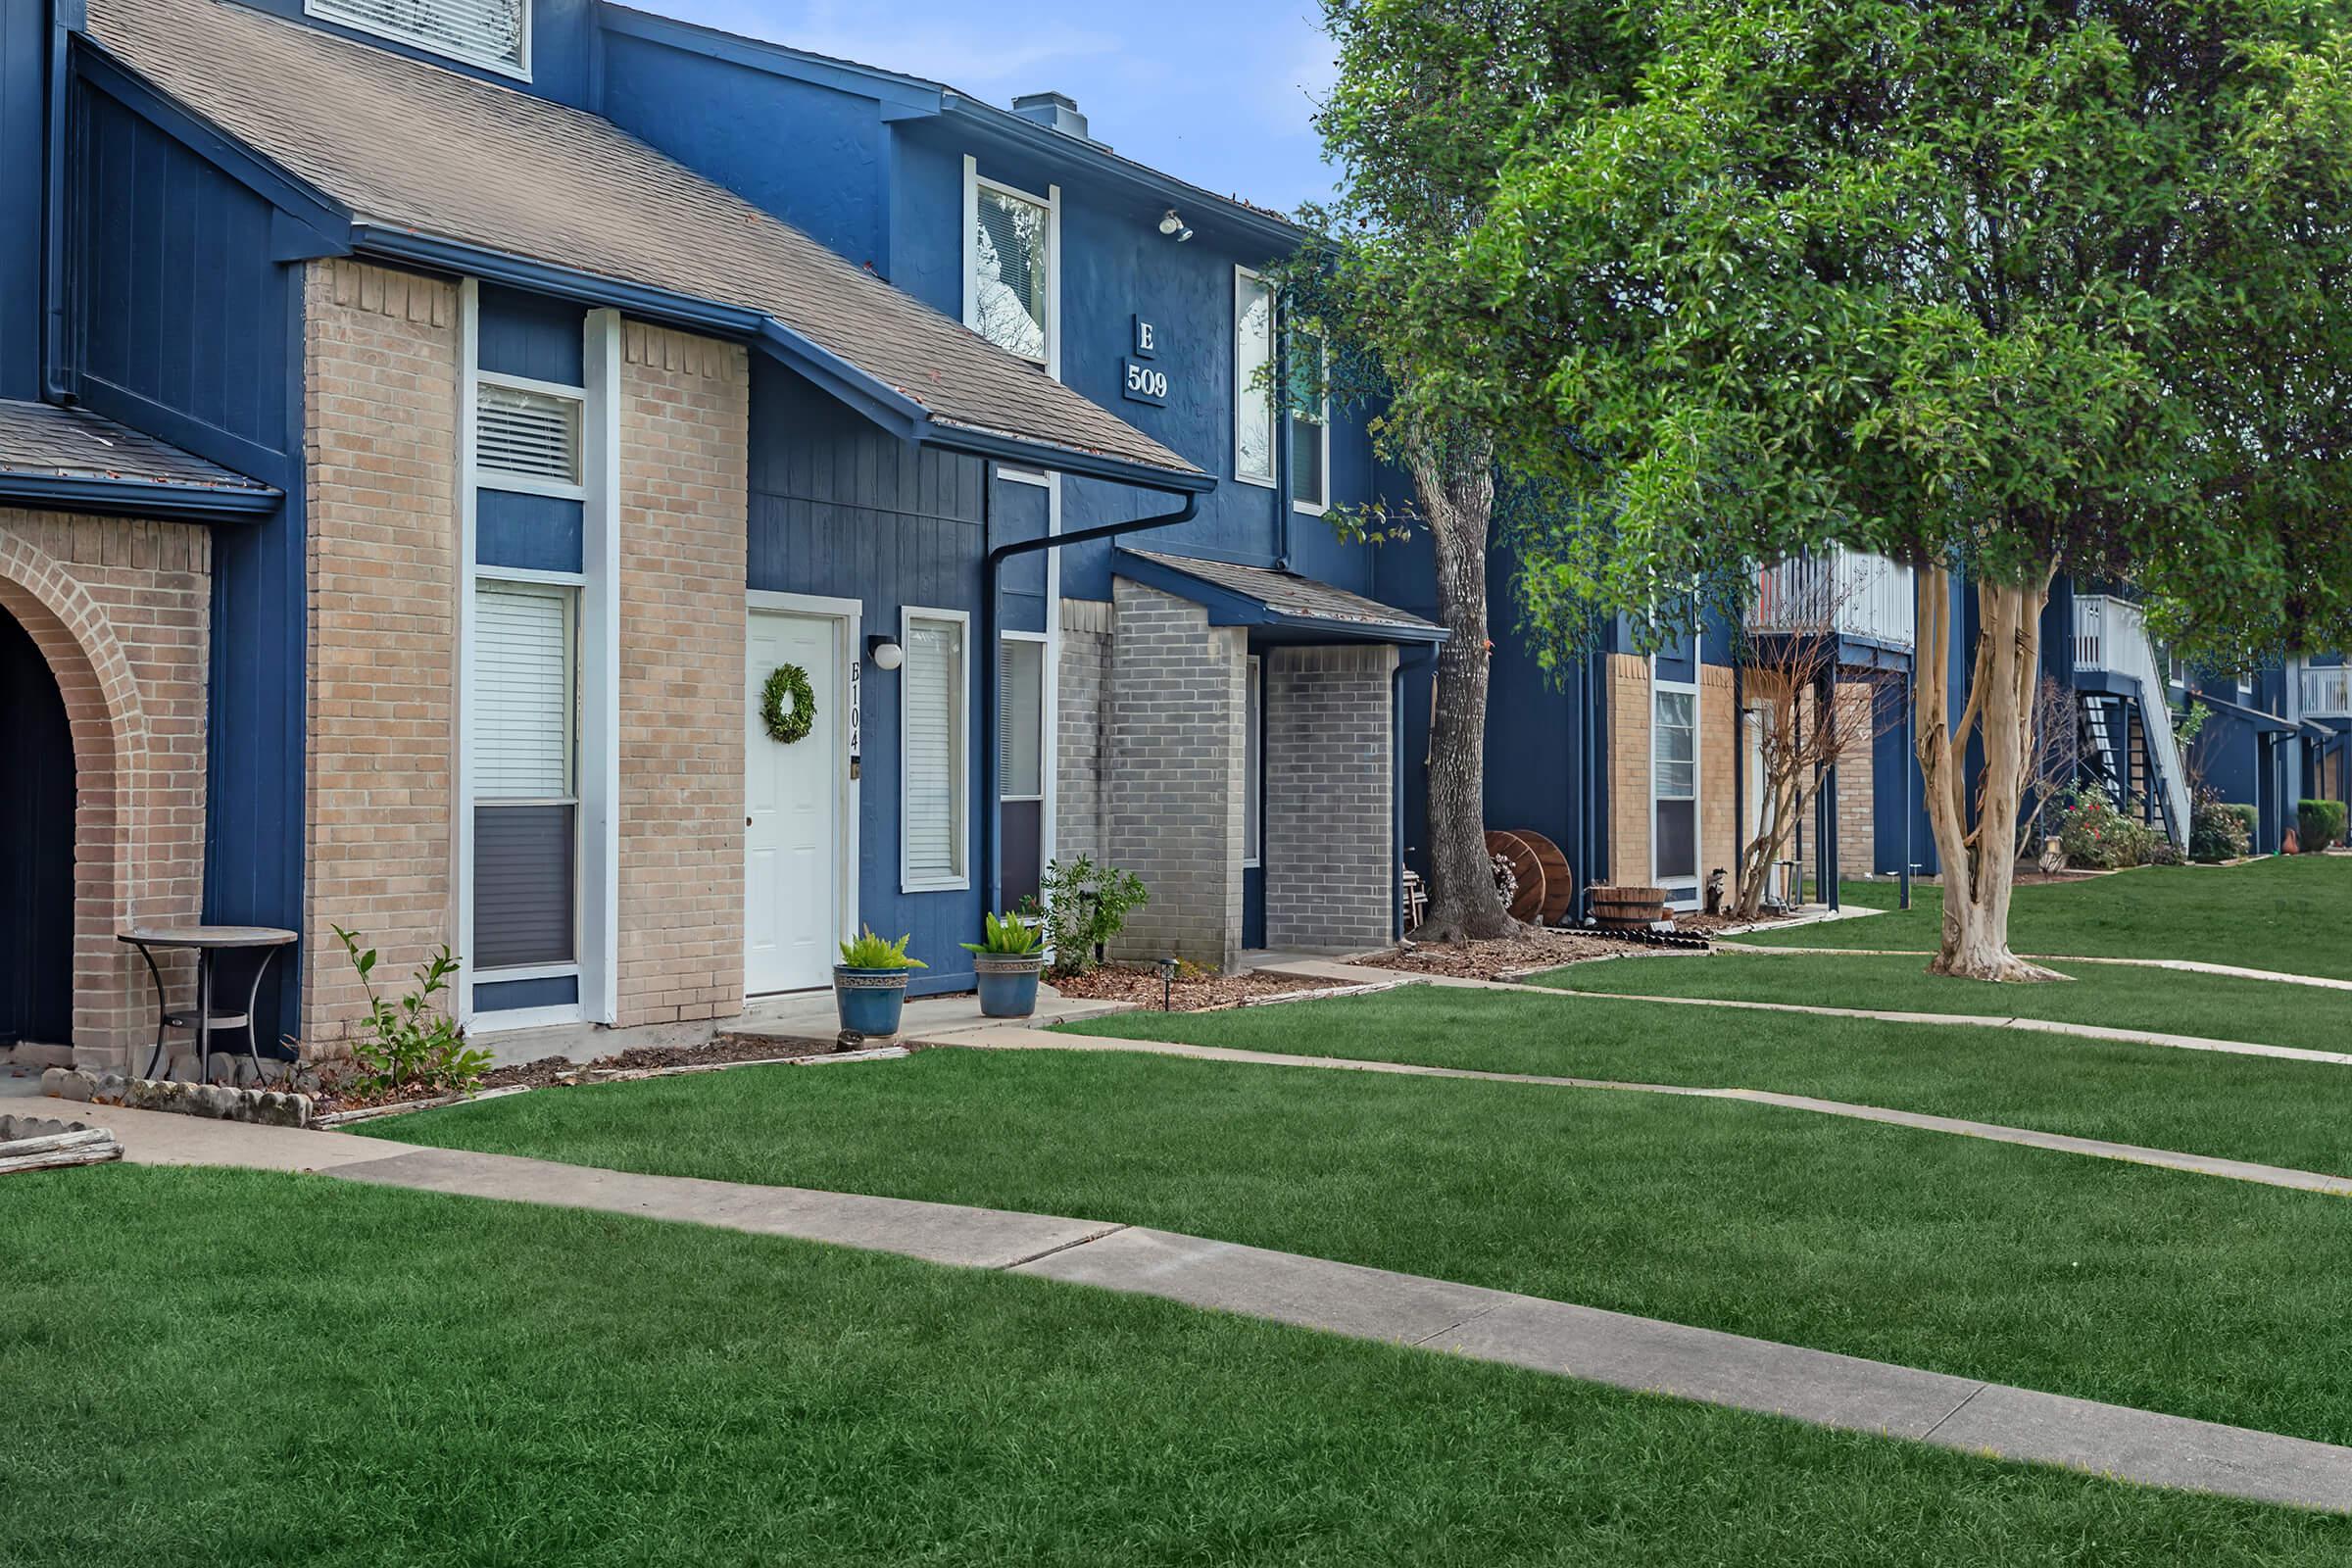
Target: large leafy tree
[1429, 97]
[2002, 290]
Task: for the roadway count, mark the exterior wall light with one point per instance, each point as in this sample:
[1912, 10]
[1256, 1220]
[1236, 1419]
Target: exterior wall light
[1173, 227]
[884, 652]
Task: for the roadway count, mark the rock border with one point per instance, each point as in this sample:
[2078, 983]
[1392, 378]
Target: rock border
[43, 1142]
[267, 1107]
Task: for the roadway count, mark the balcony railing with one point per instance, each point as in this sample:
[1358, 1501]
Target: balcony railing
[2328, 691]
[1862, 595]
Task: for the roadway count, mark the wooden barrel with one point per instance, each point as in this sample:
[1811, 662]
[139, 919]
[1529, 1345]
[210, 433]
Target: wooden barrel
[1526, 871]
[1627, 908]
[1559, 883]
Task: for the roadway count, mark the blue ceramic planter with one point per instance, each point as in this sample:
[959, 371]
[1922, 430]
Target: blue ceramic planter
[1007, 983]
[869, 999]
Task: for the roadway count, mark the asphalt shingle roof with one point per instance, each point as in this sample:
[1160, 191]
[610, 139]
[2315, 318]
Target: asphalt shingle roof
[43, 440]
[1288, 594]
[408, 145]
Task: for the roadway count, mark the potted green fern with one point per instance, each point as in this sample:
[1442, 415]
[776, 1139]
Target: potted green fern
[1006, 960]
[870, 984]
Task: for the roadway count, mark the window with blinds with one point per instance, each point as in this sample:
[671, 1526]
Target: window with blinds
[1020, 721]
[485, 32]
[1252, 380]
[1254, 767]
[525, 805]
[521, 433]
[932, 720]
[1013, 283]
[1674, 785]
[1308, 423]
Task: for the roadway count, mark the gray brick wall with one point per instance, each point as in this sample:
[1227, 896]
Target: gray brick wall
[1329, 788]
[1173, 774]
[1082, 729]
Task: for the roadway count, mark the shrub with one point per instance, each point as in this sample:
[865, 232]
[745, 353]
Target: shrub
[2319, 824]
[1085, 906]
[2093, 833]
[2249, 816]
[2216, 830]
[412, 1044]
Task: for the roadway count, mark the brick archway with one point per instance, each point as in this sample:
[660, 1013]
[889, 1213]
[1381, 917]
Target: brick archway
[112, 757]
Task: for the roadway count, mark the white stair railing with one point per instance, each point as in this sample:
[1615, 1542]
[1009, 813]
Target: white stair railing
[2110, 635]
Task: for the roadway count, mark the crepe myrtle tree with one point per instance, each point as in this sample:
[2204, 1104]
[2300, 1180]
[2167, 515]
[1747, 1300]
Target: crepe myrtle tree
[1999, 290]
[1424, 105]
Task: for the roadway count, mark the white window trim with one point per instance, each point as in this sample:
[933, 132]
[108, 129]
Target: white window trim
[1253, 673]
[1313, 509]
[850, 614]
[973, 184]
[523, 483]
[521, 72]
[595, 778]
[1242, 278]
[908, 614]
[1045, 717]
[1698, 731]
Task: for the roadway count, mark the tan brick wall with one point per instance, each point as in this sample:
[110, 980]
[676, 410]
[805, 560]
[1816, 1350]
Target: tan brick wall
[684, 410]
[380, 406]
[121, 608]
[1629, 769]
[1856, 789]
[1718, 773]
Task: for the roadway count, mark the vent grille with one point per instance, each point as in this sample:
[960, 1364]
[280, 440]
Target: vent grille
[488, 32]
[526, 435]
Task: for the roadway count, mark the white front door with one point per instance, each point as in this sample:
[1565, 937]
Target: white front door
[791, 809]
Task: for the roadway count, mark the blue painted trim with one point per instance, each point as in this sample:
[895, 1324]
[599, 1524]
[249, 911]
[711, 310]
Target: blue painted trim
[1065, 459]
[138, 498]
[240, 163]
[1228, 608]
[59, 355]
[166, 423]
[891, 87]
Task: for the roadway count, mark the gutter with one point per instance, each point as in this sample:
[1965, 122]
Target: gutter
[992, 576]
[138, 497]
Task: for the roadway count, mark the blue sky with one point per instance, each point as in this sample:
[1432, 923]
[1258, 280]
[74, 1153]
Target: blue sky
[1217, 92]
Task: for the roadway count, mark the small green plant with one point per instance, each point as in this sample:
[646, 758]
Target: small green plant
[1085, 906]
[1005, 936]
[870, 952]
[412, 1044]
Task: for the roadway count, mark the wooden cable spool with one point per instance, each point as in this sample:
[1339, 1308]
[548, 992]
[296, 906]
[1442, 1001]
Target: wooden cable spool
[1559, 883]
[1526, 871]
[1627, 908]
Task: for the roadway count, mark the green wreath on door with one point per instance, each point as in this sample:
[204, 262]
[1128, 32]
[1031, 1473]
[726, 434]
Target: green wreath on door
[784, 727]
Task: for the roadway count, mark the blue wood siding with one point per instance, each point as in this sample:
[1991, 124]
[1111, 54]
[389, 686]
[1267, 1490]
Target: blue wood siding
[184, 326]
[842, 510]
[23, 78]
[531, 335]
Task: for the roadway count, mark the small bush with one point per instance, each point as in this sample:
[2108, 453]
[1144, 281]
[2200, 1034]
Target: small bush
[412, 1045]
[2249, 816]
[871, 951]
[2093, 833]
[2319, 824]
[2215, 831]
[1085, 906]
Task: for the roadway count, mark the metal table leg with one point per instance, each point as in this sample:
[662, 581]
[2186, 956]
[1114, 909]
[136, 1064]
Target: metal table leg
[162, 1008]
[204, 1015]
[252, 1017]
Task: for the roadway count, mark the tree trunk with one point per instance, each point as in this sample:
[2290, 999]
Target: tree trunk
[1458, 496]
[1978, 856]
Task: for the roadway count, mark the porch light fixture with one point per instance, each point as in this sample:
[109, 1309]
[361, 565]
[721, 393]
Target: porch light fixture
[885, 652]
[1172, 226]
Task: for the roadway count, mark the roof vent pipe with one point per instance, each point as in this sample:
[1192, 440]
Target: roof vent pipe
[1053, 110]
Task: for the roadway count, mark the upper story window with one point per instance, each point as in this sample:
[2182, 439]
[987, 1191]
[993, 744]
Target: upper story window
[1011, 253]
[1254, 419]
[1309, 425]
[496, 34]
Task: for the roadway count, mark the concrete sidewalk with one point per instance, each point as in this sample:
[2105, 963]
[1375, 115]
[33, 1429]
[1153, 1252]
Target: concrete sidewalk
[1485, 1325]
[2230, 972]
[1337, 973]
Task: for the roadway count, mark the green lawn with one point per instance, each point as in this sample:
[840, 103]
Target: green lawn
[2143, 1287]
[2285, 912]
[2214, 1006]
[209, 1367]
[2242, 1107]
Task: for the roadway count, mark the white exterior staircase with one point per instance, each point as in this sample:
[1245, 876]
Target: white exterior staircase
[2109, 636]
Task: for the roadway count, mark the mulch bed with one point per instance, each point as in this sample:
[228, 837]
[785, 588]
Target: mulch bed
[1192, 993]
[549, 1071]
[1500, 957]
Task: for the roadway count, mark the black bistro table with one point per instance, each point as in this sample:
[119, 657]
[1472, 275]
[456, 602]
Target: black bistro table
[208, 943]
